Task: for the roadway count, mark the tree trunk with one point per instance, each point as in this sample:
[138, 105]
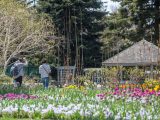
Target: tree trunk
[4, 68]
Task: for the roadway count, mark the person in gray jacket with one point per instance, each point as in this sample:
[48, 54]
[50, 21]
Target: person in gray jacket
[45, 70]
[20, 65]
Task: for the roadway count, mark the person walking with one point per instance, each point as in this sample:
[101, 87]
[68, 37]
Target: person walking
[18, 67]
[45, 70]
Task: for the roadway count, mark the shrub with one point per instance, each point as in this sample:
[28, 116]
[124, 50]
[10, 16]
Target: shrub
[5, 79]
[153, 84]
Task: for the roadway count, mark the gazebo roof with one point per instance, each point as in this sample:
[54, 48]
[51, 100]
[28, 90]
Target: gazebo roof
[141, 53]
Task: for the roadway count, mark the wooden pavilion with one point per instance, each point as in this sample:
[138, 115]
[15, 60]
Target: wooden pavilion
[142, 53]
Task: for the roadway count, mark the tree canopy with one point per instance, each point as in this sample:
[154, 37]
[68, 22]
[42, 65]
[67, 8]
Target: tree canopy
[133, 21]
[79, 22]
[86, 33]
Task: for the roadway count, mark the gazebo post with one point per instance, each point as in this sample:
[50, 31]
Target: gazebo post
[151, 69]
[121, 73]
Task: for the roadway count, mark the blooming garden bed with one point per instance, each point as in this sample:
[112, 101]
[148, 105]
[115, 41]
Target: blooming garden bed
[73, 103]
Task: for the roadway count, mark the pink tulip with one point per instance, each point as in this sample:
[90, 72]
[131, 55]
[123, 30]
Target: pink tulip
[12, 96]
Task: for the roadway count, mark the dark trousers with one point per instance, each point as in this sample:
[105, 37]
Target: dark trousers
[19, 80]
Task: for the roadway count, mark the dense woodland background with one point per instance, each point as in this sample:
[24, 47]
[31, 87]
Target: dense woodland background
[87, 34]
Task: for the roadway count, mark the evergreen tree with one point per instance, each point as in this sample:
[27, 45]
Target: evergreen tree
[145, 15]
[118, 34]
[79, 22]
[134, 20]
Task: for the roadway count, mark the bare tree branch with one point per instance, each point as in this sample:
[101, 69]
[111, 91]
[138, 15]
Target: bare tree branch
[22, 32]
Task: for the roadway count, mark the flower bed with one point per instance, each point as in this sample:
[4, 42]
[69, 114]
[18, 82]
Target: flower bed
[64, 103]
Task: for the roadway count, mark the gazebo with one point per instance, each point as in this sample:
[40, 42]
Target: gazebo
[142, 53]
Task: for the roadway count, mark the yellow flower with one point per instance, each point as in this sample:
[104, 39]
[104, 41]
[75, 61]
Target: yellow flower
[156, 88]
[71, 87]
[82, 88]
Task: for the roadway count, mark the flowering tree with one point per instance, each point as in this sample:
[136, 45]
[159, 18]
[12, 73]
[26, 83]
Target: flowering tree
[22, 32]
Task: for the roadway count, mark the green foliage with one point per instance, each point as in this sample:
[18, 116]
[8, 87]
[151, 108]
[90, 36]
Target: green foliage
[143, 14]
[5, 79]
[113, 75]
[133, 21]
[75, 20]
[135, 73]
[109, 76]
[81, 79]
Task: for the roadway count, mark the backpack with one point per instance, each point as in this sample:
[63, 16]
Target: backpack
[14, 70]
